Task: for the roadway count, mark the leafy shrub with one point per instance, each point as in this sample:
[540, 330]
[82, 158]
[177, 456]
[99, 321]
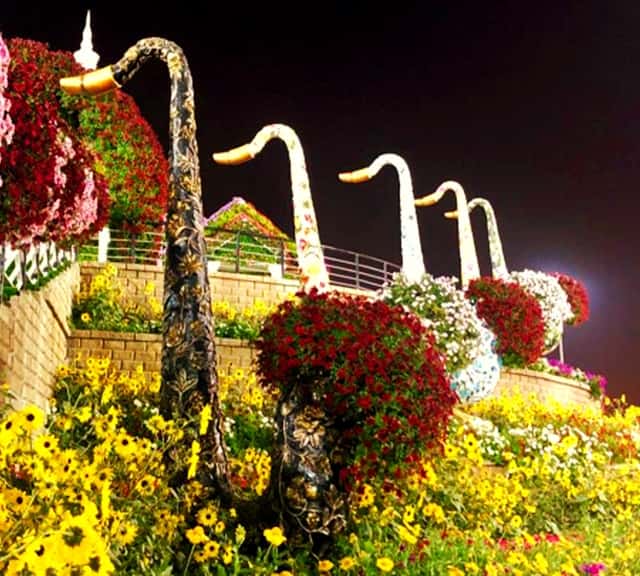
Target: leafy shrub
[514, 316]
[244, 325]
[375, 368]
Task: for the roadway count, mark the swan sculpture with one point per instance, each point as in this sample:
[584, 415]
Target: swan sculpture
[556, 309]
[189, 375]
[302, 478]
[310, 257]
[469, 268]
[412, 259]
[498, 264]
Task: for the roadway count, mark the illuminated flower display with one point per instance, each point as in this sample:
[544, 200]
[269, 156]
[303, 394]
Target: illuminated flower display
[81, 162]
[46, 166]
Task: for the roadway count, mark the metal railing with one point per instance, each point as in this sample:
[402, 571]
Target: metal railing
[245, 252]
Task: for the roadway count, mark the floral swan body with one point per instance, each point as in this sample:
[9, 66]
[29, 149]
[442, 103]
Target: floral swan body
[310, 256]
[479, 378]
[544, 287]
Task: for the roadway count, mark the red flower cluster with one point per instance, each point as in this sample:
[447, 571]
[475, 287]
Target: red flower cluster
[374, 366]
[514, 316]
[578, 298]
[46, 170]
[132, 160]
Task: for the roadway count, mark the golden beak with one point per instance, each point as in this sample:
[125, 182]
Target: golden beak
[428, 200]
[356, 176]
[451, 215]
[237, 155]
[93, 82]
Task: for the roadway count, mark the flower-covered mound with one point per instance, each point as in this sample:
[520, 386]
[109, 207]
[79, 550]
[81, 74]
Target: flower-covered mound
[444, 309]
[373, 367]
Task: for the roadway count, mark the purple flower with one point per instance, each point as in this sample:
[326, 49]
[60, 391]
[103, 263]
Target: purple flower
[592, 568]
[561, 367]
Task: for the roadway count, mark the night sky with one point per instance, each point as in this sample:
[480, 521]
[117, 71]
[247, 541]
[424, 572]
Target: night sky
[534, 106]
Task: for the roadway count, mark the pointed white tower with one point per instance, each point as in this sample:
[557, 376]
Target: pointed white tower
[86, 56]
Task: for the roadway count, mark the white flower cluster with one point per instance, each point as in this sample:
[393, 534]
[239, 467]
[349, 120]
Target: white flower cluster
[553, 300]
[557, 448]
[445, 311]
[561, 448]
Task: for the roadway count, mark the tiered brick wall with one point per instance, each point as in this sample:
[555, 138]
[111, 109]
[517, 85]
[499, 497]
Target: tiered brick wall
[33, 337]
[34, 332]
[128, 351]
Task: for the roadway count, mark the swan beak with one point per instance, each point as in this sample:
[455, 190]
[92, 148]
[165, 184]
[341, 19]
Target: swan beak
[428, 200]
[451, 215]
[93, 82]
[356, 176]
[237, 155]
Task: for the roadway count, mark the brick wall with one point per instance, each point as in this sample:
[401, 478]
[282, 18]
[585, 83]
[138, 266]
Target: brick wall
[33, 337]
[240, 290]
[128, 351]
[544, 386]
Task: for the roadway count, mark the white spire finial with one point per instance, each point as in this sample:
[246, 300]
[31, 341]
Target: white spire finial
[86, 56]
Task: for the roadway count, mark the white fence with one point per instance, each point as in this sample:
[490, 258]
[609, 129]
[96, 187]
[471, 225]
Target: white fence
[20, 268]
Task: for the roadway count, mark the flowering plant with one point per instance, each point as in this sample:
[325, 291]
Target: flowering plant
[245, 324]
[444, 310]
[374, 367]
[102, 306]
[553, 303]
[131, 159]
[578, 298]
[50, 188]
[514, 316]
[596, 382]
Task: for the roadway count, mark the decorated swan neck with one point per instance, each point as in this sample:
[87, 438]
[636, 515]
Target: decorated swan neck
[412, 259]
[189, 374]
[309, 249]
[498, 264]
[469, 267]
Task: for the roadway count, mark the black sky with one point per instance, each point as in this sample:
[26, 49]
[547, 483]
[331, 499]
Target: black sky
[533, 105]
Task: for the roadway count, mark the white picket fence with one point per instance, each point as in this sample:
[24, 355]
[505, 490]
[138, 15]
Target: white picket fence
[21, 267]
